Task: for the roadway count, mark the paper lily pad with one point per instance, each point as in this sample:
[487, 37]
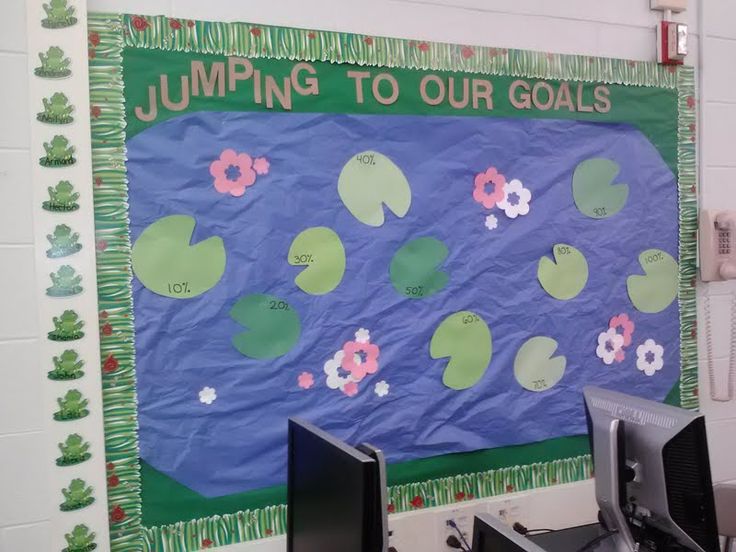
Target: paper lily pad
[370, 180]
[566, 277]
[321, 251]
[273, 327]
[166, 262]
[535, 368]
[654, 291]
[594, 191]
[413, 269]
[466, 339]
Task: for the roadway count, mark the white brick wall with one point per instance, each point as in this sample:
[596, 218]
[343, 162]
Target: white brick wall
[718, 175]
[615, 28]
[24, 460]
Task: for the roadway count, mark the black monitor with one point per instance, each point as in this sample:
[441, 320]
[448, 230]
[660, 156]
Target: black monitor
[336, 494]
[652, 471]
[492, 535]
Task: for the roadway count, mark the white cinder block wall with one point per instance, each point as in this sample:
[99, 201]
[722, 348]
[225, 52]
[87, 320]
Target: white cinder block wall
[24, 462]
[615, 28]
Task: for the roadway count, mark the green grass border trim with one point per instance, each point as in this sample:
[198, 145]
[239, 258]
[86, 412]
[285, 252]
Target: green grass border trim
[114, 274]
[688, 212]
[110, 34]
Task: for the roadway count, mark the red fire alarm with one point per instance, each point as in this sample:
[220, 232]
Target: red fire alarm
[671, 43]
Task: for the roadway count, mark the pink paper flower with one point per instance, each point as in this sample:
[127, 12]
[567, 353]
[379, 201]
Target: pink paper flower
[482, 195]
[626, 326]
[261, 165]
[306, 380]
[233, 172]
[366, 362]
[350, 389]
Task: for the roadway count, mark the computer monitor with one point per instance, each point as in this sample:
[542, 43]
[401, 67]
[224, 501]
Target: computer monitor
[492, 535]
[652, 471]
[336, 494]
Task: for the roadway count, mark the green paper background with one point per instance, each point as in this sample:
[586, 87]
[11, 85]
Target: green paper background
[644, 108]
[164, 500]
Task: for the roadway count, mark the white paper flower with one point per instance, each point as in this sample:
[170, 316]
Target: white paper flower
[362, 336]
[609, 343]
[207, 395]
[332, 370]
[515, 200]
[381, 388]
[649, 357]
[491, 222]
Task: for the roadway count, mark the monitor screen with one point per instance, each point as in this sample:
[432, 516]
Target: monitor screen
[331, 493]
[492, 535]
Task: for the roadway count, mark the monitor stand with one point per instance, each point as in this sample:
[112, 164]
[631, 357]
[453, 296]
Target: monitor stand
[610, 486]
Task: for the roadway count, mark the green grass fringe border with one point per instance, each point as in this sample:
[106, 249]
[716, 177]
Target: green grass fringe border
[114, 275]
[109, 34]
[688, 212]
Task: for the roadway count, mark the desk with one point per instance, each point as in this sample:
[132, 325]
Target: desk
[572, 539]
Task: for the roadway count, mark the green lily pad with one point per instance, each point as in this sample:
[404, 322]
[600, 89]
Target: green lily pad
[465, 338]
[413, 269]
[321, 251]
[593, 190]
[566, 276]
[166, 263]
[535, 368]
[654, 291]
[273, 327]
[370, 180]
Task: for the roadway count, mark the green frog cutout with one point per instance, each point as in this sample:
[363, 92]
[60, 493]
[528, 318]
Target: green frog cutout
[65, 282]
[67, 366]
[78, 495]
[56, 110]
[58, 15]
[73, 451]
[67, 327]
[62, 198]
[53, 64]
[80, 540]
[58, 153]
[71, 407]
[63, 242]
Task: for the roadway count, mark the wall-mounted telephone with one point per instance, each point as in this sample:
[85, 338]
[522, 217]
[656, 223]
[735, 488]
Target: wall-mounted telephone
[717, 245]
[718, 262]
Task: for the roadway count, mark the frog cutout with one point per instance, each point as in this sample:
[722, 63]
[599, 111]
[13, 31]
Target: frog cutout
[80, 540]
[67, 366]
[63, 242]
[67, 327]
[64, 283]
[56, 110]
[74, 450]
[62, 198]
[71, 407]
[77, 496]
[53, 64]
[58, 15]
[58, 153]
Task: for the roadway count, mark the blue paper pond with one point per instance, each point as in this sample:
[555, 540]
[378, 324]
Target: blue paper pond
[238, 441]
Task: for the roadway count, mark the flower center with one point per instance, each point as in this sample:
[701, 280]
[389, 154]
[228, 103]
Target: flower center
[609, 346]
[232, 172]
[649, 357]
[513, 198]
[360, 357]
[489, 188]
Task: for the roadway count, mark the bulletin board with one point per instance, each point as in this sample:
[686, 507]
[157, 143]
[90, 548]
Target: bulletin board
[428, 247]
